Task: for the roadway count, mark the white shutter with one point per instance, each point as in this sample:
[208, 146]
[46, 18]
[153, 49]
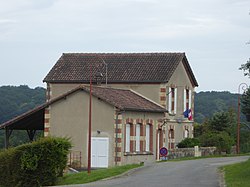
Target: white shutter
[127, 138]
[175, 100]
[184, 100]
[186, 133]
[147, 137]
[190, 100]
[169, 100]
[137, 137]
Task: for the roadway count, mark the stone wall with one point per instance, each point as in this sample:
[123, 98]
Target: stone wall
[190, 152]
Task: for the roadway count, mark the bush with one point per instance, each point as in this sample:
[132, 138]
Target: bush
[34, 164]
[221, 140]
[188, 142]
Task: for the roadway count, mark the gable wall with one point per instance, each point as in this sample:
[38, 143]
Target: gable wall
[181, 80]
[70, 118]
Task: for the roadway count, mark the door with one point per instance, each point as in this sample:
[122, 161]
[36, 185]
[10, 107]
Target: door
[99, 152]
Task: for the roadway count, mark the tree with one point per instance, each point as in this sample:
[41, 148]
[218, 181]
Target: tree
[189, 142]
[221, 140]
[220, 122]
[246, 68]
[245, 103]
[218, 131]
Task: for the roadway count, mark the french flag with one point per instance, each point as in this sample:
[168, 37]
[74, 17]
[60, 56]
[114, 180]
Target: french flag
[188, 114]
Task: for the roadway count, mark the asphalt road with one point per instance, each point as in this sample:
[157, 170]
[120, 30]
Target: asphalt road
[191, 173]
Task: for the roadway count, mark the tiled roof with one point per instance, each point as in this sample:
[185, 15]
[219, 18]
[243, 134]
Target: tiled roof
[122, 67]
[126, 99]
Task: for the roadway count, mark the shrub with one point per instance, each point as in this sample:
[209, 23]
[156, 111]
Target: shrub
[34, 164]
[221, 140]
[188, 142]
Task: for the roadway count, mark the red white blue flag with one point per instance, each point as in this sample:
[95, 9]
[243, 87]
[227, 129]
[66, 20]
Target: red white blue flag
[188, 114]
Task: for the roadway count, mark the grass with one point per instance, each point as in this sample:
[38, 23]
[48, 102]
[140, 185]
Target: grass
[84, 177]
[202, 157]
[237, 174]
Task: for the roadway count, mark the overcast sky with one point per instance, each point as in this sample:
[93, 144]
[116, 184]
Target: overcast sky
[212, 33]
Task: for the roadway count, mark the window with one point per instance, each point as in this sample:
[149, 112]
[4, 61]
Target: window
[170, 139]
[187, 99]
[137, 139]
[186, 133]
[172, 100]
[171, 134]
[147, 137]
[127, 148]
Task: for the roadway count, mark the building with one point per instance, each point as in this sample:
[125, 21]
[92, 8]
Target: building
[165, 78]
[137, 107]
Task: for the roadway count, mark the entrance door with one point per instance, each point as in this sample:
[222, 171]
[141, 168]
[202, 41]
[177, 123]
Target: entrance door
[99, 152]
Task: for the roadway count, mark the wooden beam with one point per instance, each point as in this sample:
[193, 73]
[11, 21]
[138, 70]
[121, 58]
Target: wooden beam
[8, 132]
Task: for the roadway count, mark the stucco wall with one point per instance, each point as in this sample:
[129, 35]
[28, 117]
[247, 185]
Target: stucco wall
[150, 91]
[181, 80]
[179, 129]
[69, 118]
[133, 157]
[57, 89]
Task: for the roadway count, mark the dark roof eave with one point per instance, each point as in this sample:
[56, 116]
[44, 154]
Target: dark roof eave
[144, 110]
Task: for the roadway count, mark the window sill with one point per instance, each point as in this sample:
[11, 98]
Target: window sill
[137, 153]
[171, 114]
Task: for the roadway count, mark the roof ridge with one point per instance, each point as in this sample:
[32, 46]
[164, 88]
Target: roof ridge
[125, 53]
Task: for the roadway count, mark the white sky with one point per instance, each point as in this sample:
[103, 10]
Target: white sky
[212, 33]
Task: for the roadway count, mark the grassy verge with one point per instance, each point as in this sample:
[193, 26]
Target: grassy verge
[237, 174]
[202, 157]
[83, 177]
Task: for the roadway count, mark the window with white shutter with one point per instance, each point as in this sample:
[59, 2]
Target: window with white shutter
[147, 137]
[127, 138]
[137, 140]
[172, 100]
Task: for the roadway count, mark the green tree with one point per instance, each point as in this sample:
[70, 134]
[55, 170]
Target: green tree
[218, 131]
[221, 140]
[245, 102]
[246, 68]
[189, 142]
[15, 100]
[220, 122]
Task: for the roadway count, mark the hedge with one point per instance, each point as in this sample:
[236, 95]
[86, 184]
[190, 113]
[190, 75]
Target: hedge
[34, 164]
[188, 143]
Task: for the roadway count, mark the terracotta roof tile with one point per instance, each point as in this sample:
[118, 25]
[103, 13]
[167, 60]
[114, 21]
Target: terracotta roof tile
[122, 67]
[120, 98]
[126, 99]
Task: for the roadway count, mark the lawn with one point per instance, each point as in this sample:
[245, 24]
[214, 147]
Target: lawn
[84, 177]
[237, 174]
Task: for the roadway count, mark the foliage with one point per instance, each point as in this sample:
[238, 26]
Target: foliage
[218, 131]
[221, 140]
[237, 174]
[189, 142]
[245, 102]
[244, 141]
[208, 103]
[246, 68]
[15, 100]
[83, 177]
[34, 164]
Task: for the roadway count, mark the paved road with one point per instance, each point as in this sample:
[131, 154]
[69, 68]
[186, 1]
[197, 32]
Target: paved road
[192, 173]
